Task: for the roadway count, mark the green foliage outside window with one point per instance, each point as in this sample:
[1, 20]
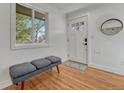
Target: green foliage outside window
[23, 29]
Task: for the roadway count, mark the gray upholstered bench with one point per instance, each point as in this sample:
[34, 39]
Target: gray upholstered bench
[21, 72]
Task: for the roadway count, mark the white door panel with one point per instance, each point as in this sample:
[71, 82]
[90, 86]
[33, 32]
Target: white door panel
[77, 33]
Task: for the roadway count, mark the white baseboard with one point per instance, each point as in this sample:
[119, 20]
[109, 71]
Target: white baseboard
[106, 68]
[5, 84]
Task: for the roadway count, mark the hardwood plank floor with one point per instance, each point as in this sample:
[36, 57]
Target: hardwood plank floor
[70, 78]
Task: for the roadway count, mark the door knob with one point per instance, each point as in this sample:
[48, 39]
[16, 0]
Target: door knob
[85, 43]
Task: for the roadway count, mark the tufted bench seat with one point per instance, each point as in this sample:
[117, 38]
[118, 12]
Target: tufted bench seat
[23, 71]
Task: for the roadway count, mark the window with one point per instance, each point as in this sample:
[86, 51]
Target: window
[29, 27]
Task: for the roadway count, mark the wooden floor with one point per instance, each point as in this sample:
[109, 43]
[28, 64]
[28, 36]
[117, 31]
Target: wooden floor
[70, 78]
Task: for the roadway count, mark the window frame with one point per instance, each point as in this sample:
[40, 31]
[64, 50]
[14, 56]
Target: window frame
[13, 28]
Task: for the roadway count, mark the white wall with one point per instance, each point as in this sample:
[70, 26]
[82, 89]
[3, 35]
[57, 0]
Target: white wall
[106, 52]
[8, 57]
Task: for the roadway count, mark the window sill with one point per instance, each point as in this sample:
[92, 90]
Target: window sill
[29, 46]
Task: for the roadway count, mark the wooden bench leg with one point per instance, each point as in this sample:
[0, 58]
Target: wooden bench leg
[22, 85]
[16, 84]
[58, 69]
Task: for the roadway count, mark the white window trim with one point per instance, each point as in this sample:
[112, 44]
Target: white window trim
[13, 29]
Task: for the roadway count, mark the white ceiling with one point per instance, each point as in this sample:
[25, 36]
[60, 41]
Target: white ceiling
[69, 7]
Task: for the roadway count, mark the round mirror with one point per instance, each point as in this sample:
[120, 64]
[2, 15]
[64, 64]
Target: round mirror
[111, 26]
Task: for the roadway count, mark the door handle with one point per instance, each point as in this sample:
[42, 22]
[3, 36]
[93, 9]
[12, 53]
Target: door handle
[85, 39]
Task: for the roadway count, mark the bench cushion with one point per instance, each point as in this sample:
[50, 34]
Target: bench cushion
[53, 59]
[21, 69]
[40, 63]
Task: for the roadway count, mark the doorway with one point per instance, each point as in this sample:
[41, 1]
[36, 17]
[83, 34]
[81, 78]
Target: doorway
[77, 39]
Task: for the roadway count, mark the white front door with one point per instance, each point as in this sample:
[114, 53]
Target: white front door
[77, 39]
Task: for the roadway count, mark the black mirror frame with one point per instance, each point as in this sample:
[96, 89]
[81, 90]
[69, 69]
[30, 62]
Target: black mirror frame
[110, 20]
